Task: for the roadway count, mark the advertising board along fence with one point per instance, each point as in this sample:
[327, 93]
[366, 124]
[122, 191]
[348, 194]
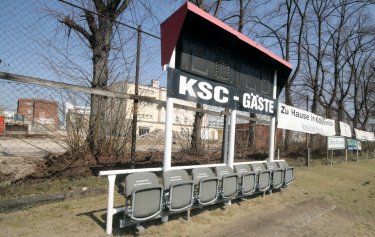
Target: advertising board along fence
[354, 145]
[336, 143]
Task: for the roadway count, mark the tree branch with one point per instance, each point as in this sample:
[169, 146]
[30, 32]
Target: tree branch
[91, 22]
[73, 25]
[121, 8]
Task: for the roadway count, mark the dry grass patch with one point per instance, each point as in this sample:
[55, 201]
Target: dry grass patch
[323, 201]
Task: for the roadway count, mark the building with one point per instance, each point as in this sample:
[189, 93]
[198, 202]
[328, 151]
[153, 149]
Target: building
[261, 137]
[151, 116]
[39, 114]
[76, 117]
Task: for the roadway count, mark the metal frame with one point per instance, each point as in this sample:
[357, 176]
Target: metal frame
[111, 175]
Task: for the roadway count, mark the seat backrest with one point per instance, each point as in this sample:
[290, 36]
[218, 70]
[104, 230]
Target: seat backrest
[139, 179]
[240, 169]
[181, 193]
[257, 167]
[173, 176]
[282, 164]
[208, 189]
[200, 173]
[289, 171]
[271, 165]
[223, 170]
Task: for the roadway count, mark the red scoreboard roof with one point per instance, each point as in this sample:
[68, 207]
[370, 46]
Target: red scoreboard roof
[171, 28]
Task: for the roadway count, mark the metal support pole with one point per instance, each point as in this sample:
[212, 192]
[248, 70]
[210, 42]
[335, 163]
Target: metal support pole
[168, 134]
[346, 155]
[169, 123]
[226, 137]
[307, 136]
[357, 153]
[111, 191]
[232, 133]
[168, 128]
[308, 157]
[273, 122]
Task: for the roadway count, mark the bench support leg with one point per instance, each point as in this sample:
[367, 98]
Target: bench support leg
[164, 219]
[110, 212]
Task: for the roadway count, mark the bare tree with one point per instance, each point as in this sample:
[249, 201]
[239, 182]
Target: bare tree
[98, 35]
[343, 35]
[284, 27]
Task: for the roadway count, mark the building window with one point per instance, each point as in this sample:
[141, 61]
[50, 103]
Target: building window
[143, 130]
[29, 111]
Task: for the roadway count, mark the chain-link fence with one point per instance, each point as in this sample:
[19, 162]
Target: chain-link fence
[57, 130]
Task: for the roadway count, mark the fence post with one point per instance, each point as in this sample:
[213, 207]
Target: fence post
[136, 102]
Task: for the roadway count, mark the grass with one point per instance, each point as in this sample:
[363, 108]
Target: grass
[350, 187]
[49, 186]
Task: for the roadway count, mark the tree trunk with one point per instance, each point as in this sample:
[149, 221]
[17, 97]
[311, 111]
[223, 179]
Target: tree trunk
[196, 140]
[288, 101]
[97, 127]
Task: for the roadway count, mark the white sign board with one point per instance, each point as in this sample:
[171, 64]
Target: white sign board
[359, 146]
[303, 121]
[345, 130]
[336, 143]
[364, 135]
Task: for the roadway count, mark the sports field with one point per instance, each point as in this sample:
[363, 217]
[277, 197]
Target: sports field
[323, 201]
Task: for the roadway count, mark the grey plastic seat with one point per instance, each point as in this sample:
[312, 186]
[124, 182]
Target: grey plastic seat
[144, 196]
[264, 176]
[247, 179]
[228, 182]
[288, 172]
[207, 185]
[277, 175]
[178, 190]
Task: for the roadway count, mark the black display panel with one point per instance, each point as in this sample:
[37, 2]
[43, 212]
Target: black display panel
[206, 60]
[212, 61]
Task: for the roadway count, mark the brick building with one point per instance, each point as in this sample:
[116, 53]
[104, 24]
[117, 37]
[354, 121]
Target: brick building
[262, 134]
[39, 113]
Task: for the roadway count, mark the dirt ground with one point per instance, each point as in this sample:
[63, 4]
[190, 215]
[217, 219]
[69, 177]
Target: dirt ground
[323, 201]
